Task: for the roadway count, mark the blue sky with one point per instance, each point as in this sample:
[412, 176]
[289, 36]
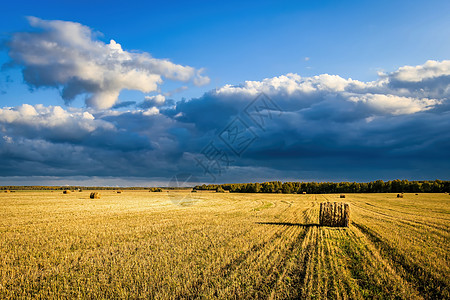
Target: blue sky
[214, 48]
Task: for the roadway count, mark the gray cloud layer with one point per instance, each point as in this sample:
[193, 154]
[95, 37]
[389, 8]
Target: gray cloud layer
[67, 56]
[330, 128]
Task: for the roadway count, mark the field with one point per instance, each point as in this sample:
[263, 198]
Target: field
[220, 245]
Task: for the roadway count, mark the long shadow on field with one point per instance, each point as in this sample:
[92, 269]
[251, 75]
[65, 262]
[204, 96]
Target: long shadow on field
[289, 224]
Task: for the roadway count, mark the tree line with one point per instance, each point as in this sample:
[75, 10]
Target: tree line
[60, 188]
[378, 186]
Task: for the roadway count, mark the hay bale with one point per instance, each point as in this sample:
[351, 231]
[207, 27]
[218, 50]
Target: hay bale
[342, 196]
[399, 195]
[66, 192]
[80, 190]
[304, 193]
[417, 194]
[7, 191]
[334, 214]
[119, 192]
[95, 195]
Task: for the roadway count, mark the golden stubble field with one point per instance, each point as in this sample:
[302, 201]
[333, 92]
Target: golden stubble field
[144, 245]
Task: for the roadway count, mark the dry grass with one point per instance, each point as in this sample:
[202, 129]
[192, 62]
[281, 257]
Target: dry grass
[141, 245]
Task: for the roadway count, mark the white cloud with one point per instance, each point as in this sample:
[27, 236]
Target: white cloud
[395, 105]
[291, 84]
[406, 91]
[158, 99]
[431, 69]
[50, 121]
[151, 111]
[67, 55]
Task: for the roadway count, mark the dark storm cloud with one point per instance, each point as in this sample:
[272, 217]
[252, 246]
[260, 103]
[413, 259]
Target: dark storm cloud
[330, 128]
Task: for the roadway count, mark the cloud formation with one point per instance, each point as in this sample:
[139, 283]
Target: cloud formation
[68, 56]
[331, 128]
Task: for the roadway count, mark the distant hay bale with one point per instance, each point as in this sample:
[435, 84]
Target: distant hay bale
[95, 195]
[80, 190]
[119, 192]
[66, 192]
[399, 195]
[7, 191]
[417, 194]
[334, 214]
[304, 193]
[342, 196]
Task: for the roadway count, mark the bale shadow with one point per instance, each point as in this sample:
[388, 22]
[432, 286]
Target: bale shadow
[290, 224]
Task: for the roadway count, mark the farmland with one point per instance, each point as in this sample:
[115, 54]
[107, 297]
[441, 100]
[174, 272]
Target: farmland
[222, 245]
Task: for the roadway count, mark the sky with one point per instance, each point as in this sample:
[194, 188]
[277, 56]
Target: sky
[139, 93]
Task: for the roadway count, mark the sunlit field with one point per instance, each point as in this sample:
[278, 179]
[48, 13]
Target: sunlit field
[163, 245]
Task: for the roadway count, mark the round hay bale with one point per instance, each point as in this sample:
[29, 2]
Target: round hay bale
[66, 192]
[7, 191]
[80, 190]
[399, 195]
[334, 214]
[304, 193]
[95, 195]
[119, 192]
[341, 196]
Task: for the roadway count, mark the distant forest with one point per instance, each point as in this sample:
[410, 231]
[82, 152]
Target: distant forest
[379, 186]
[61, 188]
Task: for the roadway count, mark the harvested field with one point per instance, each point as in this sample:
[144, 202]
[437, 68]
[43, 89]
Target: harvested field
[223, 245]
